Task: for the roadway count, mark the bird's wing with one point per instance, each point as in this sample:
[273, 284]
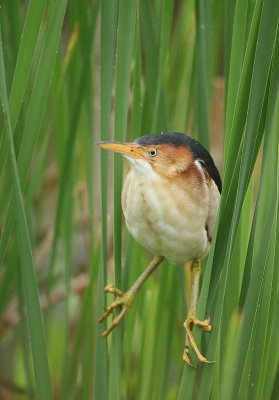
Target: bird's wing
[213, 207]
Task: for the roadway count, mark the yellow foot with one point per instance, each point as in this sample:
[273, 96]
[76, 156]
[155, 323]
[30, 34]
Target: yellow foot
[192, 320]
[123, 300]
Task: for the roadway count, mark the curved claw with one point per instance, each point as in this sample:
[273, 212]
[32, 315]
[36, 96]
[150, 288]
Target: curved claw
[186, 357]
[123, 300]
[116, 321]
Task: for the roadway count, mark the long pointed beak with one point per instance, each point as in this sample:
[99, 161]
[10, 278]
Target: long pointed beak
[126, 149]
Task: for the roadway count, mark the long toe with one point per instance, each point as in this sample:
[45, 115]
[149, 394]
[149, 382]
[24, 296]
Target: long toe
[123, 300]
[192, 320]
[112, 289]
[186, 357]
[116, 321]
[204, 324]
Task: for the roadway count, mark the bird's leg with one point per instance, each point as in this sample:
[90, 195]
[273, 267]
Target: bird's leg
[191, 318]
[125, 300]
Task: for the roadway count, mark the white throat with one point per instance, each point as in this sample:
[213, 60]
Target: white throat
[141, 168]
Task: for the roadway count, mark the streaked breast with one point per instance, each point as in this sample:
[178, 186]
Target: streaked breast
[165, 216]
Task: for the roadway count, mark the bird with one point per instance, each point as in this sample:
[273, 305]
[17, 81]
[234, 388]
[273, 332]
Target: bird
[170, 200]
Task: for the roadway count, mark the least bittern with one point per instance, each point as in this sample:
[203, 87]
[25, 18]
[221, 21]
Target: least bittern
[170, 201]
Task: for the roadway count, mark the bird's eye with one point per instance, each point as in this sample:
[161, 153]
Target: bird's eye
[152, 152]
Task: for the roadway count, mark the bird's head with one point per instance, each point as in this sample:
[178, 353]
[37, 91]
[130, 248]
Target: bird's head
[165, 154]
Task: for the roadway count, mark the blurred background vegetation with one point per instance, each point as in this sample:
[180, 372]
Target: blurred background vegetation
[72, 73]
